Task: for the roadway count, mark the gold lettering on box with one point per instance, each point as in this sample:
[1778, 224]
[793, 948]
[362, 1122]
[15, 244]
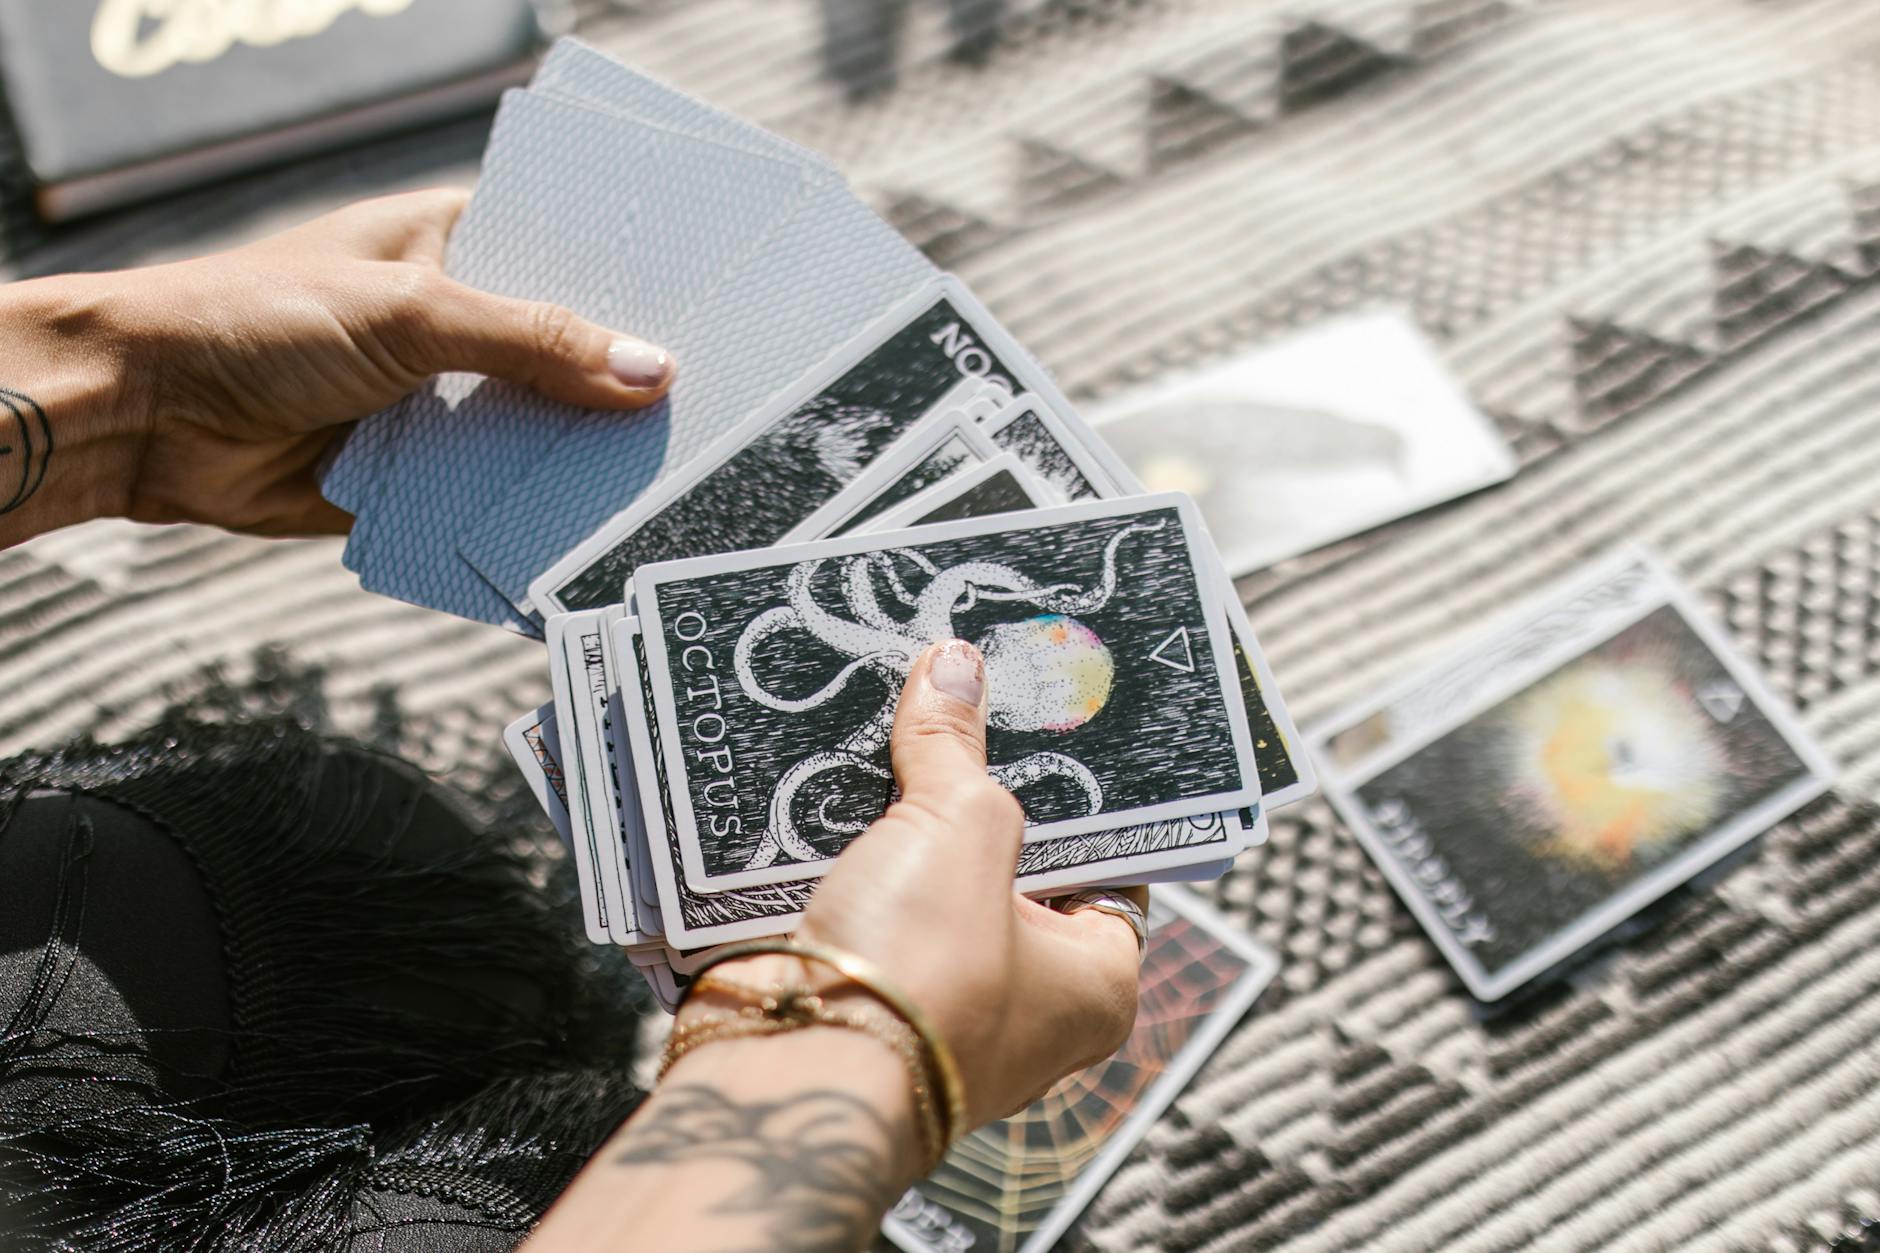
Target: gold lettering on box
[138, 38]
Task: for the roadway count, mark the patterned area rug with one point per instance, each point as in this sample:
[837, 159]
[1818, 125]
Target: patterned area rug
[1647, 237]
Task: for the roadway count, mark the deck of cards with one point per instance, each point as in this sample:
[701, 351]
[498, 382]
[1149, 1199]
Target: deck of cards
[856, 462]
[719, 736]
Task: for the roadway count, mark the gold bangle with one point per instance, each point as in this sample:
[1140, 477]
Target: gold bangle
[871, 979]
[797, 1007]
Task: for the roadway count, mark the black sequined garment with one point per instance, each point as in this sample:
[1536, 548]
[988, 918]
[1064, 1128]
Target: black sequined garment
[263, 990]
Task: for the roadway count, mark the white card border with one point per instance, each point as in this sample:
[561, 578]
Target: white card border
[591, 870]
[514, 739]
[600, 779]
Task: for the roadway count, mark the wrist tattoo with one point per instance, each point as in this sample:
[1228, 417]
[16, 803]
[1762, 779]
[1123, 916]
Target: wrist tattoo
[824, 1160]
[25, 448]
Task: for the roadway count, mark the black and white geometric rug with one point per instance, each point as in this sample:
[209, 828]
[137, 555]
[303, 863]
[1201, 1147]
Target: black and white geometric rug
[1646, 235]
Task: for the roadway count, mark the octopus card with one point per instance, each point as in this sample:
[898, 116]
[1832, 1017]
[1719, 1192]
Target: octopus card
[1203, 846]
[934, 353]
[1016, 1185]
[692, 920]
[1076, 463]
[1110, 672]
[1594, 754]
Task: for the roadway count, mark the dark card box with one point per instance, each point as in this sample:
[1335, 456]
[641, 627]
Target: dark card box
[115, 100]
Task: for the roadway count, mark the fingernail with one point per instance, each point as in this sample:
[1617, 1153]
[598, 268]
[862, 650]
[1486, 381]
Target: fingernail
[639, 364]
[959, 671]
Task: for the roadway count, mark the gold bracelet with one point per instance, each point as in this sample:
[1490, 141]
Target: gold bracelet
[796, 1007]
[940, 1064]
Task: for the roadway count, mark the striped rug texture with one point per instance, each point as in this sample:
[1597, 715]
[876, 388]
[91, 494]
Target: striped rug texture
[1645, 233]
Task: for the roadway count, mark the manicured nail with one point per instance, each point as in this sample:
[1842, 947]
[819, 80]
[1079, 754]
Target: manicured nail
[959, 671]
[639, 364]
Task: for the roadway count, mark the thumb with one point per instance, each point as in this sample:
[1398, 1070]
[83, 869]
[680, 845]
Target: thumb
[544, 347]
[939, 740]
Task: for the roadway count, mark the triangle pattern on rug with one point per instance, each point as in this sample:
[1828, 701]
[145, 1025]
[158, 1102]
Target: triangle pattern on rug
[1050, 178]
[1317, 61]
[1185, 123]
[1759, 290]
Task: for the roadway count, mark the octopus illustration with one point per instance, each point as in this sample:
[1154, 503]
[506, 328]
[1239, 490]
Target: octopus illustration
[1048, 672]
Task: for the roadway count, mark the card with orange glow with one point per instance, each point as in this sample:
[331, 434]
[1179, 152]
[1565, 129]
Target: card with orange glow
[1576, 764]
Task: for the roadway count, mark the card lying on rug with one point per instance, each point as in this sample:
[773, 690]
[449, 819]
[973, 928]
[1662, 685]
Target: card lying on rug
[1569, 769]
[1289, 447]
[1019, 1183]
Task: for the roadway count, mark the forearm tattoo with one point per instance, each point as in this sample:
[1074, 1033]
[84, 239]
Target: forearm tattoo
[25, 448]
[821, 1163]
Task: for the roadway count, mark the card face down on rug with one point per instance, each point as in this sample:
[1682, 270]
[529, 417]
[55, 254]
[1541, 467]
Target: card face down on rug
[1019, 1183]
[1113, 694]
[1571, 768]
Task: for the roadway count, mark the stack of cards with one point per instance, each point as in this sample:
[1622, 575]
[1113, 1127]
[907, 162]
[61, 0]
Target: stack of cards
[857, 462]
[642, 209]
[721, 735]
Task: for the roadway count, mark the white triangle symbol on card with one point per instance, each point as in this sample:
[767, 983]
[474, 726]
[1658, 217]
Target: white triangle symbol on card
[1176, 652]
[1722, 698]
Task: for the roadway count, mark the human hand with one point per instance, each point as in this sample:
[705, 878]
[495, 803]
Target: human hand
[242, 369]
[1022, 994]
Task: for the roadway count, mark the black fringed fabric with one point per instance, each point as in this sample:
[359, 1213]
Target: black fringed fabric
[261, 990]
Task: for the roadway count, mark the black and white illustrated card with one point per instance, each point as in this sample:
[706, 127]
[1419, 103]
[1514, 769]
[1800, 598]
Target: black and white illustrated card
[1002, 485]
[591, 757]
[1169, 851]
[774, 674]
[938, 351]
[1577, 764]
[936, 449]
[1060, 449]
[1047, 444]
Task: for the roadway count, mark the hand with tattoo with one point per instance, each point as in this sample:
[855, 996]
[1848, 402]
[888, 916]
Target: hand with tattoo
[802, 1141]
[211, 390]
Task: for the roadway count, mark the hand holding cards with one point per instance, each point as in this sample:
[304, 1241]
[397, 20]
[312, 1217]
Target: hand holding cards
[720, 724]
